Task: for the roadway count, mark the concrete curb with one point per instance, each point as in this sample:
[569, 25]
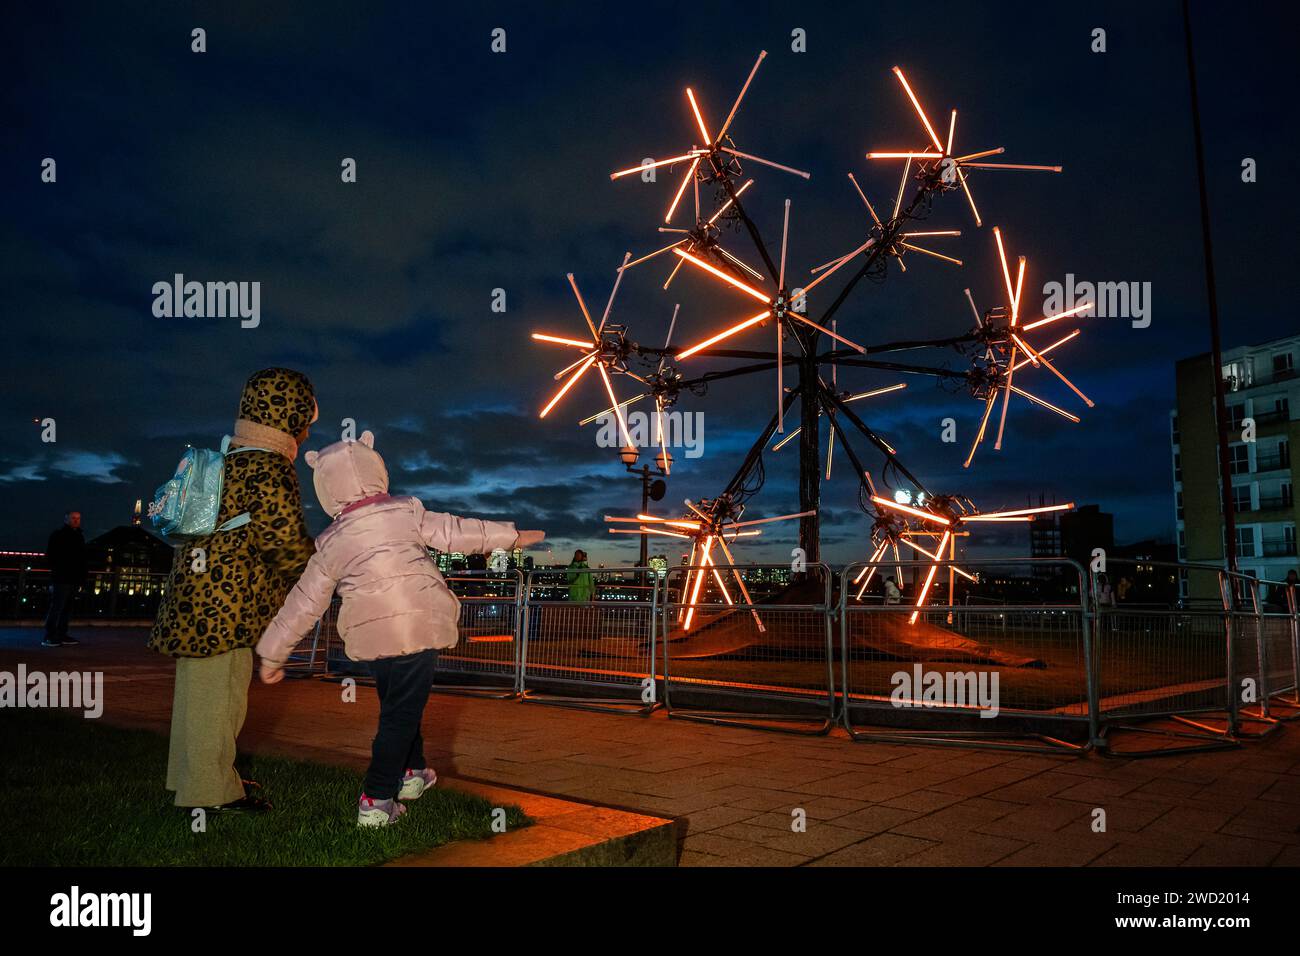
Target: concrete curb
[563, 833]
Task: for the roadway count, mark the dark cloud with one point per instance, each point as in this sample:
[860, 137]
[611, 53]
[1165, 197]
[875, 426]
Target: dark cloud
[479, 172]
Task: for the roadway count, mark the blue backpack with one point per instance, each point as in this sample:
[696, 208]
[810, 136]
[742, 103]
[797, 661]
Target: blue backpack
[186, 506]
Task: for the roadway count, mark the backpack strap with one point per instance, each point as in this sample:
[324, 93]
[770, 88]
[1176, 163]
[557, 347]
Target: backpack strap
[226, 450]
[238, 521]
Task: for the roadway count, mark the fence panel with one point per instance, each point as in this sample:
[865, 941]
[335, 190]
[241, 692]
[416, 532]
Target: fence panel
[999, 657]
[1278, 650]
[597, 653]
[486, 657]
[1163, 658]
[733, 655]
[311, 656]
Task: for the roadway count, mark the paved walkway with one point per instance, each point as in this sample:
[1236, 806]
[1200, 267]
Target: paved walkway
[734, 791]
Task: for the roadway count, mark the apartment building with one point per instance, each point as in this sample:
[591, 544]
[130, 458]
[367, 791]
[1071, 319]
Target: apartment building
[1262, 388]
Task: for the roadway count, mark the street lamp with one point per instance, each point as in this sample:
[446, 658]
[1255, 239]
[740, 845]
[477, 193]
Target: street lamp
[653, 486]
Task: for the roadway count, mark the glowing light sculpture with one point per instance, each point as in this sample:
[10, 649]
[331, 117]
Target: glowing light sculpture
[999, 352]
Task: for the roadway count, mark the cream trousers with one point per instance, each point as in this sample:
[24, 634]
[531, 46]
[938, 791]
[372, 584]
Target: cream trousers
[208, 708]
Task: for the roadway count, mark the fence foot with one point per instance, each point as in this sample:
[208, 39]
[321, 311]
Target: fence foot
[1269, 722]
[1210, 739]
[772, 722]
[1290, 709]
[486, 692]
[600, 705]
[975, 739]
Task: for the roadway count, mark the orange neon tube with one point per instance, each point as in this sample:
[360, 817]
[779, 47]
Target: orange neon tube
[1044, 351]
[908, 509]
[929, 579]
[919, 112]
[618, 409]
[739, 327]
[1048, 405]
[663, 162]
[723, 207]
[969, 198]
[935, 557]
[568, 385]
[560, 340]
[695, 108]
[1017, 512]
[699, 580]
[761, 297]
[686, 181]
[1060, 315]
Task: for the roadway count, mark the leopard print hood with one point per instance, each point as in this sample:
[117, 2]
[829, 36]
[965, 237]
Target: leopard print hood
[278, 398]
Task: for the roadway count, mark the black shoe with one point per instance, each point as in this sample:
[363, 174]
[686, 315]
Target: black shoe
[68, 641]
[49, 643]
[242, 805]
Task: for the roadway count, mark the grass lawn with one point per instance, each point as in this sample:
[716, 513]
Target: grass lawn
[77, 792]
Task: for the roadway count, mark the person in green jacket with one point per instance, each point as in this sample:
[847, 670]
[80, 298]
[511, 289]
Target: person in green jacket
[582, 586]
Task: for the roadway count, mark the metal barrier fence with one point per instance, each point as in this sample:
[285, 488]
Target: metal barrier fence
[1282, 654]
[729, 658]
[1263, 656]
[597, 653]
[1001, 668]
[311, 656]
[1014, 653]
[1164, 662]
[1209, 658]
[484, 660]
[486, 657]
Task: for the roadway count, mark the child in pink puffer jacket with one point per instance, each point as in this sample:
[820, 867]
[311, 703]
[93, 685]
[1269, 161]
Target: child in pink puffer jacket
[397, 610]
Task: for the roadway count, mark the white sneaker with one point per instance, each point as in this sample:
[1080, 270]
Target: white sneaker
[377, 813]
[416, 782]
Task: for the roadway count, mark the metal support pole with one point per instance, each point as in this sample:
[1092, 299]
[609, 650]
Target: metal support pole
[645, 509]
[1212, 297]
[809, 449]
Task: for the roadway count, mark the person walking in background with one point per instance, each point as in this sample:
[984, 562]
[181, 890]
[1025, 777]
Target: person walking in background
[582, 585]
[1105, 593]
[224, 588]
[397, 610]
[66, 553]
[892, 594]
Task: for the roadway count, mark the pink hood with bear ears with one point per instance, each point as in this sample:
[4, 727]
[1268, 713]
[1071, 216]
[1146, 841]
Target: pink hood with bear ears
[375, 554]
[347, 472]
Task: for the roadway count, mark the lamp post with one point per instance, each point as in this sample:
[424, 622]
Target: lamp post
[653, 486]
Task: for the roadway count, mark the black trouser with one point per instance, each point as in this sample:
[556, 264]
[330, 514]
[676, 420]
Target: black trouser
[56, 621]
[403, 684]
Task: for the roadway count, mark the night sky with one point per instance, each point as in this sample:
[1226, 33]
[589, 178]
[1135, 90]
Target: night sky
[479, 171]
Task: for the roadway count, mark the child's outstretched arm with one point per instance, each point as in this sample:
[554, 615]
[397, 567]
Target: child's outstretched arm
[307, 601]
[444, 532]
